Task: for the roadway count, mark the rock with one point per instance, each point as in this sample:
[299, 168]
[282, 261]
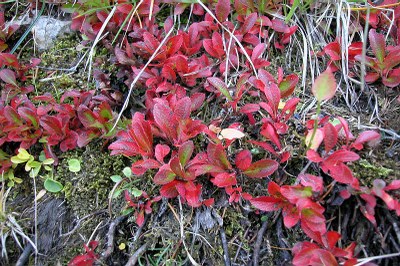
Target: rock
[46, 30]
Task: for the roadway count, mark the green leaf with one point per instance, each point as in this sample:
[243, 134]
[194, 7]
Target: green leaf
[22, 156]
[116, 178]
[127, 211]
[136, 192]
[295, 5]
[34, 172]
[52, 185]
[324, 87]
[42, 156]
[18, 180]
[32, 164]
[127, 172]
[68, 8]
[48, 161]
[74, 165]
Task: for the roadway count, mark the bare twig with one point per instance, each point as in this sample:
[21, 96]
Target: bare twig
[110, 237]
[257, 245]
[227, 259]
[134, 258]
[22, 260]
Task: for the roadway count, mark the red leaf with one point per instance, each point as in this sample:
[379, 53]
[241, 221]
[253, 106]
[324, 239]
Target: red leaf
[161, 151]
[270, 133]
[174, 44]
[224, 179]
[295, 193]
[266, 203]
[330, 137]
[290, 217]
[165, 120]
[183, 108]
[341, 156]
[324, 87]
[140, 218]
[279, 26]
[243, 160]
[12, 116]
[192, 194]
[393, 186]
[250, 108]
[197, 100]
[151, 42]
[314, 156]
[88, 118]
[257, 51]
[249, 23]
[222, 9]
[366, 136]
[343, 174]
[169, 190]
[8, 76]
[140, 130]
[262, 168]
[333, 50]
[392, 79]
[9, 60]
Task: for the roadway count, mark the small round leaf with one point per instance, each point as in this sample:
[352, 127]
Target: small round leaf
[52, 185]
[74, 165]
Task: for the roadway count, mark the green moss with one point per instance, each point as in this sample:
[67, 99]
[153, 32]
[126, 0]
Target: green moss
[55, 74]
[88, 189]
[367, 172]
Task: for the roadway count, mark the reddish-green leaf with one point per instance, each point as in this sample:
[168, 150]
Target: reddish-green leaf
[221, 86]
[8, 76]
[392, 59]
[261, 168]
[324, 87]
[164, 175]
[216, 155]
[377, 42]
[88, 118]
[29, 115]
[288, 84]
[105, 111]
[393, 78]
[12, 116]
